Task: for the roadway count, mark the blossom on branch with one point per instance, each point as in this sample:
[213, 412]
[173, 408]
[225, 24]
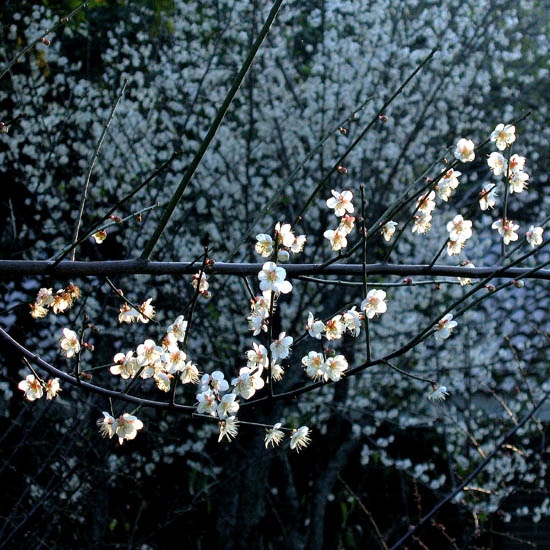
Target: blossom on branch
[272, 277]
[388, 230]
[464, 150]
[507, 229]
[374, 303]
[341, 202]
[127, 427]
[445, 327]
[438, 393]
[32, 387]
[534, 236]
[300, 438]
[273, 436]
[503, 136]
[69, 343]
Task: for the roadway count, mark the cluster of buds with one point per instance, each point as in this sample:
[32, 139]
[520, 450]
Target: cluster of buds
[59, 302]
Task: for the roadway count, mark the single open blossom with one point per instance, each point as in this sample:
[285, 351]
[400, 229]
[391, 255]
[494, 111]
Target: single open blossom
[337, 239]
[189, 373]
[257, 323]
[174, 360]
[285, 235]
[229, 428]
[445, 327]
[146, 312]
[216, 381]
[334, 328]
[503, 136]
[459, 229]
[273, 277]
[334, 367]
[203, 284]
[32, 387]
[487, 198]
[69, 343]
[507, 229]
[351, 320]
[62, 301]
[455, 247]
[518, 182]
[163, 380]
[422, 223]
[314, 362]
[300, 438]
[127, 427]
[298, 244]
[128, 314]
[125, 365]
[534, 236]
[45, 297]
[277, 372]
[148, 355]
[52, 388]
[388, 230]
[425, 204]
[374, 303]
[438, 393]
[107, 425]
[464, 150]
[466, 280]
[314, 327]
[341, 202]
[497, 163]
[517, 164]
[257, 357]
[346, 224]
[178, 328]
[448, 183]
[100, 236]
[38, 311]
[247, 383]
[207, 402]
[280, 348]
[228, 405]
[273, 436]
[264, 246]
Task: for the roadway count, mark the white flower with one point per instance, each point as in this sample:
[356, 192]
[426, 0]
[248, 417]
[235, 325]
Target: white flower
[125, 365]
[534, 236]
[455, 247]
[464, 150]
[337, 239]
[277, 372]
[189, 373]
[38, 311]
[334, 328]
[207, 402]
[283, 256]
[174, 360]
[45, 297]
[497, 163]
[334, 368]
[178, 328]
[246, 383]
[300, 438]
[273, 278]
[459, 229]
[32, 387]
[298, 244]
[422, 223]
[313, 362]
[425, 203]
[388, 230]
[280, 348]
[314, 328]
[487, 198]
[148, 355]
[503, 135]
[285, 236]
[445, 327]
[518, 182]
[448, 183]
[341, 202]
[216, 380]
[229, 428]
[273, 436]
[264, 246]
[127, 427]
[163, 380]
[507, 229]
[374, 303]
[517, 164]
[352, 321]
[52, 388]
[346, 225]
[466, 280]
[146, 312]
[257, 323]
[69, 343]
[438, 393]
[257, 357]
[100, 236]
[228, 405]
[127, 314]
[107, 425]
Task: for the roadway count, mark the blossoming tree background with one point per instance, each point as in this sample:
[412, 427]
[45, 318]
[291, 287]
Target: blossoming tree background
[303, 299]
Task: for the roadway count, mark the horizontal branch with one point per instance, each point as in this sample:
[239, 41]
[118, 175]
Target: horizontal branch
[12, 268]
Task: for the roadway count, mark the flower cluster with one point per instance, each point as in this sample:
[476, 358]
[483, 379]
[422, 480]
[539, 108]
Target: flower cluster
[203, 285]
[460, 230]
[335, 327]
[318, 368]
[425, 205]
[34, 387]
[341, 203]
[59, 302]
[286, 242]
[124, 427]
[143, 314]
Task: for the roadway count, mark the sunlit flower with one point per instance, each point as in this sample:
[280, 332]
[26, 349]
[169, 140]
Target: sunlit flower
[174, 360]
[189, 373]
[38, 311]
[341, 202]
[503, 136]
[127, 427]
[32, 387]
[448, 183]
[107, 425]
[487, 198]
[229, 428]
[388, 230]
[273, 277]
[100, 236]
[334, 328]
[127, 314]
[374, 303]
[285, 235]
[216, 380]
[147, 311]
[313, 362]
[352, 321]
[422, 223]
[203, 284]
[257, 323]
[334, 367]
[464, 150]
[264, 246]
[534, 236]
[45, 297]
[425, 203]
[178, 328]
[257, 356]
[163, 380]
[445, 327]
[459, 229]
[62, 300]
[517, 163]
[273, 436]
[228, 405]
[52, 388]
[69, 343]
[497, 163]
[298, 244]
[518, 182]
[346, 224]
[246, 384]
[438, 393]
[280, 348]
[454, 247]
[337, 239]
[466, 280]
[149, 355]
[507, 229]
[207, 402]
[300, 438]
[125, 365]
[314, 327]
[277, 372]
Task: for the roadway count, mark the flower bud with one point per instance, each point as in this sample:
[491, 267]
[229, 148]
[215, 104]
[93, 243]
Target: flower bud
[490, 288]
[342, 169]
[518, 284]
[383, 118]
[408, 280]
[283, 255]
[343, 130]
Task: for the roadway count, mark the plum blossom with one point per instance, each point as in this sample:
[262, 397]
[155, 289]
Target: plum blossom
[534, 236]
[313, 362]
[189, 373]
[425, 204]
[374, 303]
[334, 367]
[298, 244]
[466, 280]
[351, 320]
[32, 387]
[422, 223]
[285, 236]
[341, 202]
[178, 328]
[283, 256]
[247, 383]
[207, 402]
[464, 150]
[38, 311]
[280, 348]
[503, 136]
[346, 224]
[300, 438]
[229, 428]
[487, 198]
[497, 163]
[100, 236]
[146, 312]
[128, 314]
[438, 393]
[518, 181]
[107, 425]
[334, 328]
[273, 277]
[459, 229]
[445, 327]
[257, 357]
[228, 405]
[273, 436]
[388, 230]
[277, 372]
[507, 229]
[454, 247]
[264, 246]
[337, 239]
[52, 388]
[69, 343]
[216, 381]
[517, 163]
[125, 365]
[314, 327]
[127, 427]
